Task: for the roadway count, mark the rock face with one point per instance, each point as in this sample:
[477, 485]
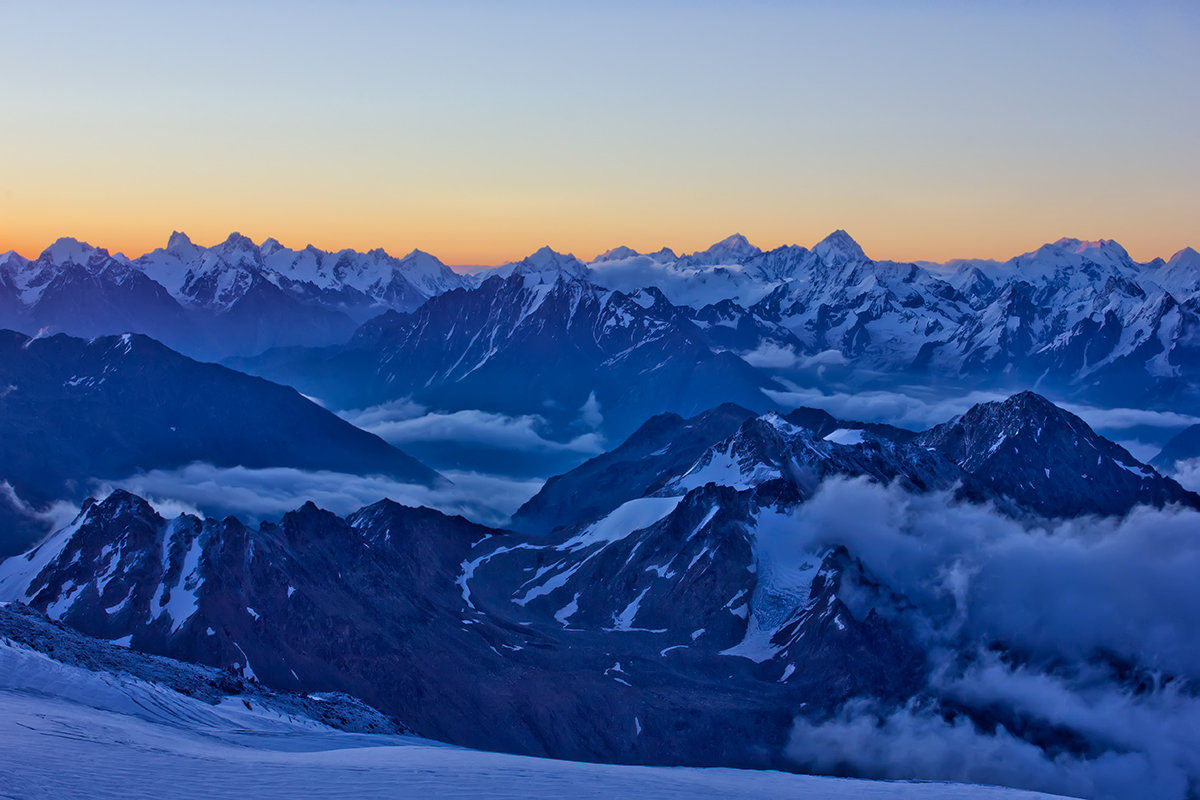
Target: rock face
[676, 617]
[1183, 447]
[1048, 460]
[74, 411]
[378, 605]
[540, 340]
[23, 627]
[663, 446]
[1024, 454]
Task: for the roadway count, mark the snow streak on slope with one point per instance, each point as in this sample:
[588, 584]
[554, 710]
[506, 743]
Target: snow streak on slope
[73, 733]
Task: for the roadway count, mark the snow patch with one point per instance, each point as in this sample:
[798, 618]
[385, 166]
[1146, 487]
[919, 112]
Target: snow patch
[845, 436]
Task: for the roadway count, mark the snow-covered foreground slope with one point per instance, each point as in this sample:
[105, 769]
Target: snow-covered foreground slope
[70, 732]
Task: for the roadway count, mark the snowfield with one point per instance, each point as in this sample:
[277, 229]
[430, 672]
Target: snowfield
[69, 732]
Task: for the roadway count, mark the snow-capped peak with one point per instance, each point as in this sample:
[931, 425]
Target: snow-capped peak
[1074, 245]
[616, 254]
[238, 252]
[1187, 257]
[237, 241]
[181, 247]
[1181, 272]
[1099, 250]
[178, 239]
[428, 272]
[839, 248]
[1024, 405]
[730, 250]
[68, 250]
[546, 262]
[417, 256]
[14, 258]
[1073, 254]
[545, 256]
[271, 246]
[986, 426]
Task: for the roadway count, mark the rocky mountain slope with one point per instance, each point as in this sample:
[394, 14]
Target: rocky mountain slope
[119, 724]
[665, 333]
[73, 411]
[541, 339]
[683, 616]
[1003, 445]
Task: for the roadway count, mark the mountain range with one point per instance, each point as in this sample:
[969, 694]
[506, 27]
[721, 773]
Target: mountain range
[674, 618]
[539, 338]
[1080, 319]
[730, 578]
[235, 297]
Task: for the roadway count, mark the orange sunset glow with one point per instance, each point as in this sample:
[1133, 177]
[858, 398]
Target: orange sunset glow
[966, 133]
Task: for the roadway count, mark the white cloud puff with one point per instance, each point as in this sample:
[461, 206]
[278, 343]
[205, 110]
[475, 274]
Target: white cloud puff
[1069, 596]
[402, 422]
[270, 493]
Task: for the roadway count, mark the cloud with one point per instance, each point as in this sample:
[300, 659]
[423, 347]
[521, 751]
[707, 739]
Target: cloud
[825, 358]
[22, 524]
[689, 286]
[894, 408]
[393, 411]
[403, 422]
[919, 411]
[769, 355]
[314, 400]
[53, 517]
[1069, 588]
[913, 744]
[591, 414]
[1072, 598]
[1115, 419]
[1187, 472]
[258, 494]
[1140, 450]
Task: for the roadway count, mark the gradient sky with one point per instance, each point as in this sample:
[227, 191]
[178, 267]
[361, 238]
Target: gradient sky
[481, 131]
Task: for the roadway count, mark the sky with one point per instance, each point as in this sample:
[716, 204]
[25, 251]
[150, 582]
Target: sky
[480, 131]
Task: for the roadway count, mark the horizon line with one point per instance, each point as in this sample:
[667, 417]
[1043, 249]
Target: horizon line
[467, 267]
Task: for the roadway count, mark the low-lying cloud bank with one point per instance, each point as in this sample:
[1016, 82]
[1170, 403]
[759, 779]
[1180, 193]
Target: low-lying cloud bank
[403, 422]
[1100, 621]
[1126, 418]
[770, 355]
[918, 411]
[894, 408]
[22, 524]
[1188, 474]
[912, 743]
[54, 517]
[258, 494]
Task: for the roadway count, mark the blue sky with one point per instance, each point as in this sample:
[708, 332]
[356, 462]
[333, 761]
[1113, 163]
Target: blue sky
[480, 131]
